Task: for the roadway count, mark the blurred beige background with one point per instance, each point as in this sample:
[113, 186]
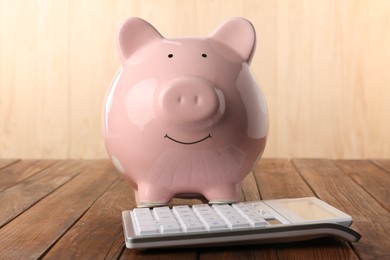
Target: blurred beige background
[324, 66]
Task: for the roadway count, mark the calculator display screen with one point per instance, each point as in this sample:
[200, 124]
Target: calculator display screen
[308, 210]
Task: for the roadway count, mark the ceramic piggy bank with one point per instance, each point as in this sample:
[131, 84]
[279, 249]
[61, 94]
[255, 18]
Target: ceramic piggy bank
[185, 115]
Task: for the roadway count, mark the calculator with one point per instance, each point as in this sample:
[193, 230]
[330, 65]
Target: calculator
[256, 222]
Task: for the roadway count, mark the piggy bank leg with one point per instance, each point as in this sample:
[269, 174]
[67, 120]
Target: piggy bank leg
[228, 193]
[148, 195]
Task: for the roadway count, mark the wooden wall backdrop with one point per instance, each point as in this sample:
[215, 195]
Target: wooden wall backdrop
[324, 66]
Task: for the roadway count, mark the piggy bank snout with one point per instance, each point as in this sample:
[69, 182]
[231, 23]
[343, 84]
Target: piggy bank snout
[191, 101]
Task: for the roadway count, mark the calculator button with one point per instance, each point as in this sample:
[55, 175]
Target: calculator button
[223, 223]
[232, 218]
[145, 222]
[263, 211]
[187, 219]
[250, 214]
[148, 229]
[166, 219]
[210, 219]
[170, 228]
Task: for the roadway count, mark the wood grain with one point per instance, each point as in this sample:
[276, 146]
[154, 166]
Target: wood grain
[239, 252]
[55, 214]
[20, 171]
[278, 178]
[332, 185]
[374, 181]
[159, 254]
[23, 195]
[6, 162]
[323, 66]
[100, 224]
[384, 164]
[250, 191]
[71, 209]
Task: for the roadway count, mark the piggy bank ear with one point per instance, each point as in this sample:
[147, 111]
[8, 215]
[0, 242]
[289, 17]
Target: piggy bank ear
[239, 35]
[133, 34]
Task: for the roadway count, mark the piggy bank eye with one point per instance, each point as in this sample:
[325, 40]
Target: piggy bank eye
[170, 55]
[204, 55]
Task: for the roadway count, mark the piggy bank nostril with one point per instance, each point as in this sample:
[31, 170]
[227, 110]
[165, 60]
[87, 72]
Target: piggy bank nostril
[197, 100]
[190, 101]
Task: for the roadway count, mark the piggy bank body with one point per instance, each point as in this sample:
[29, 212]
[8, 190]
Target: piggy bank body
[184, 115]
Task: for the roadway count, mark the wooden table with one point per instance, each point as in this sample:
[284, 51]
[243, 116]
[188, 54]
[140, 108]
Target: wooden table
[71, 209]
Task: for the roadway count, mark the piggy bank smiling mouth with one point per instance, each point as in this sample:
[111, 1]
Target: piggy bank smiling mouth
[180, 142]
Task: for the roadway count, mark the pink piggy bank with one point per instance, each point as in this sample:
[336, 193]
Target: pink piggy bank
[184, 115]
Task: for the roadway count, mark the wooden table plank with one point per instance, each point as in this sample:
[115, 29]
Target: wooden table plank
[239, 252]
[321, 248]
[93, 235]
[6, 162]
[278, 178]
[383, 163]
[57, 211]
[159, 254]
[23, 195]
[32, 233]
[249, 188]
[117, 247]
[370, 177]
[332, 185]
[21, 170]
